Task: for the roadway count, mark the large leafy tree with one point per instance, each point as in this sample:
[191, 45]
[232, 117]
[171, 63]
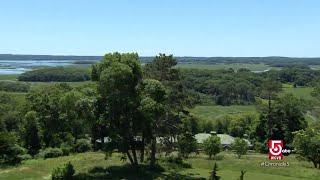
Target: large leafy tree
[307, 145]
[70, 112]
[162, 69]
[270, 87]
[286, 116]
[31, 133]
[118, 77]
[153, 107]
[58, 113]
[212, 146]
[9, 150]
[46, 103]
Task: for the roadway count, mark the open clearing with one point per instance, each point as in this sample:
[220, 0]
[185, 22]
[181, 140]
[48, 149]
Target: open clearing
[302, 92]
[214, 112]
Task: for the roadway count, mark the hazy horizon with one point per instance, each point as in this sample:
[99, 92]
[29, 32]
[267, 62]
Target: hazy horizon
[158, 54]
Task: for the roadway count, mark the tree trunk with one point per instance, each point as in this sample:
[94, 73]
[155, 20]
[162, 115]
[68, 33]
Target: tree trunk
[315, 164]
[135, 159]
[130, 158]
[102, 142]
[269, 117]
[142, 150]
[153, 153]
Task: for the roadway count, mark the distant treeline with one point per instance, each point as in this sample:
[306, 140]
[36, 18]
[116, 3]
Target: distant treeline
[271, 61]
[56, 74]
[84, 62]
[275, 61]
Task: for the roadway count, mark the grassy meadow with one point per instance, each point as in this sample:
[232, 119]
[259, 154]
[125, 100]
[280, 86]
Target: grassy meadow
[302, 92]
[11, 77]
[229, 167]
[213, 112]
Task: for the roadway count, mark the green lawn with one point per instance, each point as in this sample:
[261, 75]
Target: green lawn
[229, 167]
[41, 169]
[205, 112]
[252, 67]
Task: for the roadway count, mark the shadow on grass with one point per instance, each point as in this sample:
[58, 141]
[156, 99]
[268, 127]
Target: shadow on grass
[7, 166]
[130, 173]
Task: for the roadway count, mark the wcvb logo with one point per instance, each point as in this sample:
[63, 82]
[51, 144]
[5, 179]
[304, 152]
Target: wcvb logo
[276, 149]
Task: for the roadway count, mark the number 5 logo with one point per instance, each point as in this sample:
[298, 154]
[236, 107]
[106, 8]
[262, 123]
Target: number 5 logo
[275, 149]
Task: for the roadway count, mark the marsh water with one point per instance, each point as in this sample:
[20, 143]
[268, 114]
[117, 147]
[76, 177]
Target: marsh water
[21, 66]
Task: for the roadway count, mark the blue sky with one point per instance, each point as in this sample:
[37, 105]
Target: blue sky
[179, 27]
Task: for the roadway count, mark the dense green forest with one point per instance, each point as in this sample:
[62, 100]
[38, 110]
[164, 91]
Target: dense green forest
[141, 115]
[56, 74]
[227, 86]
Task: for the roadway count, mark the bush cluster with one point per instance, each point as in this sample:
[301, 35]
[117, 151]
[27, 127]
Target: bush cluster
[50, 153]
[12, 86]
[82, 145]
[63, 173]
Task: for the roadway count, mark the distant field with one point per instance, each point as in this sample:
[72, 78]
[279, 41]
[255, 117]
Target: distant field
[8, 76]
[302, 92]
[315, 67]
[214, 112]
[252, 67]
[229, 167]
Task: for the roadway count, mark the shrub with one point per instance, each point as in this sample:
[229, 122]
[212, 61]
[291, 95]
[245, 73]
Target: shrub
[25, 157]
[12, 86]
[66, 149]
[63, 173]
[212, 146]
[187, 144]
[50, 153]
[82, 145]
[261, 147]
[218, 157]
[240, 146]
[176, 162]
[9, 151]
